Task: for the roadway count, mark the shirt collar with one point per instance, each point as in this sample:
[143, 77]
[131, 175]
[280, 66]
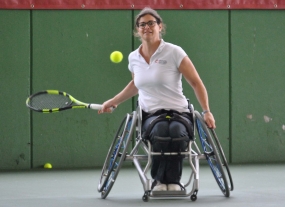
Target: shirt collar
[159, 49]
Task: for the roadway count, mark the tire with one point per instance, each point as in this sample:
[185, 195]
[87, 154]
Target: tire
[116, 155]
[223, 158]
[212, 154]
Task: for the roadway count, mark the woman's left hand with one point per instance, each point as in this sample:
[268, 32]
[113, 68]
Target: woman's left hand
[209, 119]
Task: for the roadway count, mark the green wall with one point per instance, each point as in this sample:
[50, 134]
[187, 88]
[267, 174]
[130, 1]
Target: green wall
[71, 52]
[239, 55]
[15, 137]
[257, 86]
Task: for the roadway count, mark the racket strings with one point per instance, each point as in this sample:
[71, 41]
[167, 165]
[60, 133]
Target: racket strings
[49, 101]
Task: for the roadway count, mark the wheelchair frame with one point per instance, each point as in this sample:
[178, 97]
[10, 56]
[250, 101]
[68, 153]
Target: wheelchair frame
[130, 128]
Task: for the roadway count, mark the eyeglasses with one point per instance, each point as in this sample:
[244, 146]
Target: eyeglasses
[149, 23]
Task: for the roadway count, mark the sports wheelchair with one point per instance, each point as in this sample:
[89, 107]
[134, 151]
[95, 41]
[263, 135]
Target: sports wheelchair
[130, 128]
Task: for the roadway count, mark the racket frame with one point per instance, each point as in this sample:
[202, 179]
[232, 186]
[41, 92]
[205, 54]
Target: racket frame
[79, 104]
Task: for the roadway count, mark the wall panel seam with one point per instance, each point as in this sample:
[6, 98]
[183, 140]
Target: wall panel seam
[31, 87]
[230, 86]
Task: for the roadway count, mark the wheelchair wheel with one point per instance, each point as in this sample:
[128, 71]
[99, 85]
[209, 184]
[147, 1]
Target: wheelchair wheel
[212, 154]
[223, 158]
[116, 155]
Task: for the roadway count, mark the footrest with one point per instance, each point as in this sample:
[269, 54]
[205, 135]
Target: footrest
[168, 193]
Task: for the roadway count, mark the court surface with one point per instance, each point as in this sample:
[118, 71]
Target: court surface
[255, 185]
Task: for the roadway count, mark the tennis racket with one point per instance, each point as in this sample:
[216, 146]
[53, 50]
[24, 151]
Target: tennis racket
[51, 101]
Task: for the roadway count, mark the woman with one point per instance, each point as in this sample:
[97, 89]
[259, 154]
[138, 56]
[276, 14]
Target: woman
[157, 68]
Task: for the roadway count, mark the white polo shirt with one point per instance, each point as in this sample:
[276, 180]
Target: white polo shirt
[159, 82]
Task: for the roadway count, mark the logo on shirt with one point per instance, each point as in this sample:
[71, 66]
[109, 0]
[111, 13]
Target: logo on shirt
[162, 62]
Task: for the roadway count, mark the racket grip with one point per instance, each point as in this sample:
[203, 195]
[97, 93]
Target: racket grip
[95, 106]
[98, 107]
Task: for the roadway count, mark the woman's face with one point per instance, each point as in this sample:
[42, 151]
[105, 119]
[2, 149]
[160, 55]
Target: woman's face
[148, 28]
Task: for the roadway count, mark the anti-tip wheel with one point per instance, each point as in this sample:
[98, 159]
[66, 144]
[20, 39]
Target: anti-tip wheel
[145, 198]
[193, 197]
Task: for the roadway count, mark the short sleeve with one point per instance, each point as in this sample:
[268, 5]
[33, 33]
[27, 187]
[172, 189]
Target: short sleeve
[179, 55]
[130, 63]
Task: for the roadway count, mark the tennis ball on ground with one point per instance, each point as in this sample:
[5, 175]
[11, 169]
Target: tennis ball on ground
[116, 56]
[47, 166]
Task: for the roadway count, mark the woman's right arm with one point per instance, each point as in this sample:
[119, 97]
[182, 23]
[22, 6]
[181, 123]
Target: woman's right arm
[128, 92]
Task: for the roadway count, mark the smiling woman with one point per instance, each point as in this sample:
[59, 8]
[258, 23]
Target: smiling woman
[157, 68]
[156, 19]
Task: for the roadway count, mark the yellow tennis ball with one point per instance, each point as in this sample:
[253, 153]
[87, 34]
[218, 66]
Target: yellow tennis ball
[48, 166]
[116, 56]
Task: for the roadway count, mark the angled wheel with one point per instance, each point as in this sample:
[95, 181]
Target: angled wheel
[223, 158]
[212, 154]
[116, 155]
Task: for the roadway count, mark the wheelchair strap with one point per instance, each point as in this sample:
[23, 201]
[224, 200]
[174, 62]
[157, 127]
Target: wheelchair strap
[168, 116]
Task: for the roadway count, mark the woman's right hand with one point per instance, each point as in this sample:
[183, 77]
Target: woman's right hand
[107, 107]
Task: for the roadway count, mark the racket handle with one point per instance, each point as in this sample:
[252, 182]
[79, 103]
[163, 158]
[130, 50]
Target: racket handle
[95, 106]
[98, 107]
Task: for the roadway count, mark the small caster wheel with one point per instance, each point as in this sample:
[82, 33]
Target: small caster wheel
[193, 197]
[145, 198]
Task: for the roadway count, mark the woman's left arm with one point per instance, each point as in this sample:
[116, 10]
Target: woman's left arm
[191, 75]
